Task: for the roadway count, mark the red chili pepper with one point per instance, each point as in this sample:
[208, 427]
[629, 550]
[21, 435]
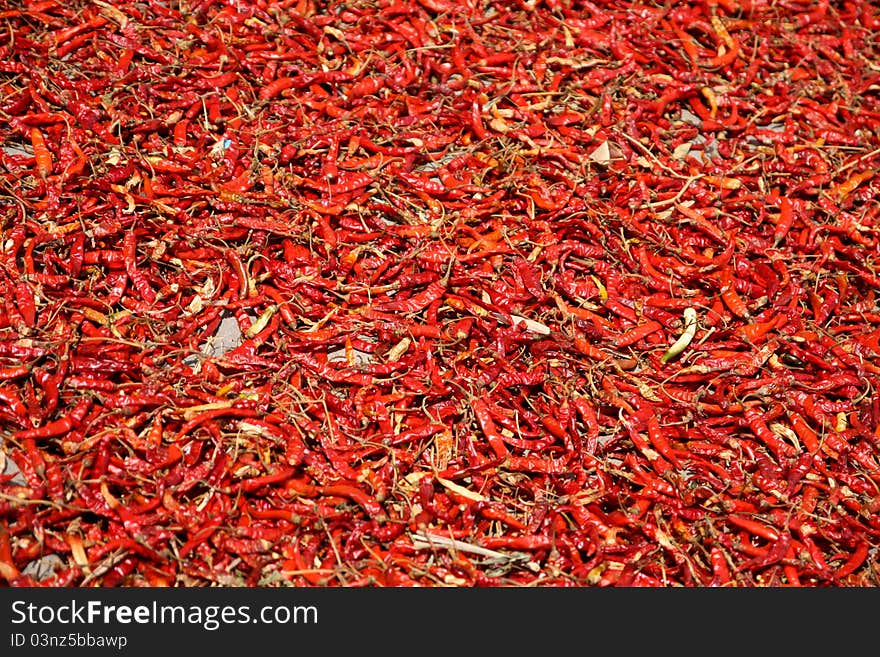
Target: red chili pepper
[49, 383]
[659, 441]
[14, 371]
[785, 221]
[42, 155]
[60, 426]
[756, 423]
[418, 301]
[432, 219]
[366, 87]
[278, 85]
[856, 559]
[8, 570]
[370, 505]
[635, 334]
[720, 569]
[489, 429]
[255, 483]
[197, 539]
[730, 296]
[138, 278]
[24, 298]
[531, 543]
[754, 527]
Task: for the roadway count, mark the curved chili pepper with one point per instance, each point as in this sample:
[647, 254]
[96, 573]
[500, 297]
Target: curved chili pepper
[60, 426]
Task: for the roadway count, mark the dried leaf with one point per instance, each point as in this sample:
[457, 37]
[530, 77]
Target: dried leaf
[531, 325]
[461, 490]
[681, 151]
[602, 154]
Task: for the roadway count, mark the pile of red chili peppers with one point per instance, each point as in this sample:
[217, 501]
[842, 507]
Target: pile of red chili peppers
[539, 293]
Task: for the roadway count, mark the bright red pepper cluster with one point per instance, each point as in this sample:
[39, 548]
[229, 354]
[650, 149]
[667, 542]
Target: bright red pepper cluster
[423, 292]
